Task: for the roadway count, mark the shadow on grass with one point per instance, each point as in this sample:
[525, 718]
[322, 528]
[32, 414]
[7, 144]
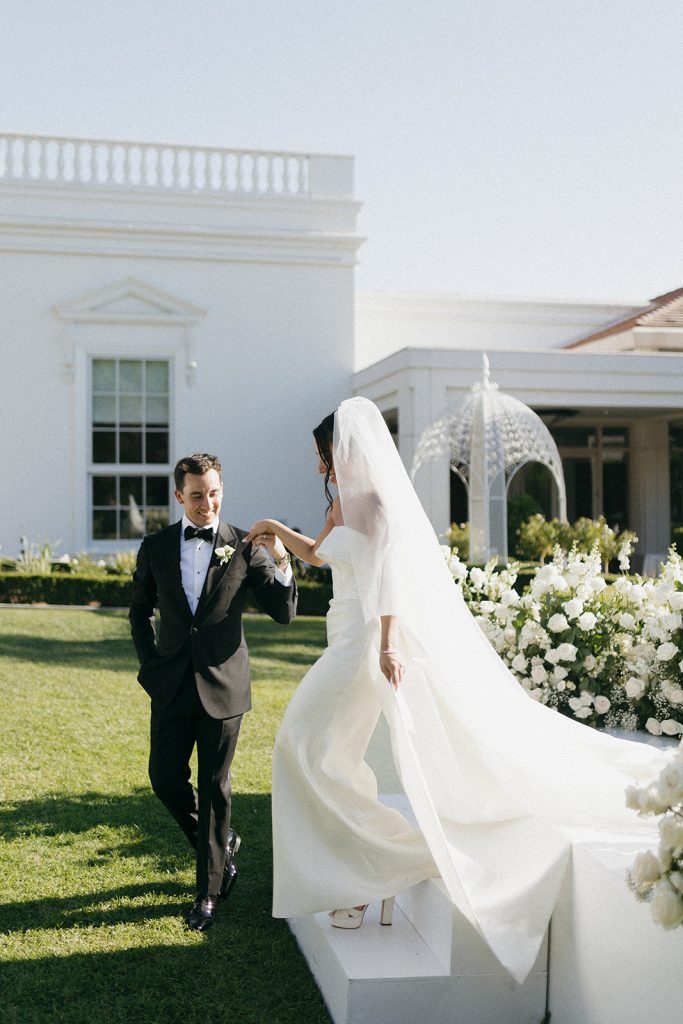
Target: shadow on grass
[233, 973]
[107, 653]
[246, 968]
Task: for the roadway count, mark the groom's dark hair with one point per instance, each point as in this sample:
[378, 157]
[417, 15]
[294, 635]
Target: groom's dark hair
[196, 464]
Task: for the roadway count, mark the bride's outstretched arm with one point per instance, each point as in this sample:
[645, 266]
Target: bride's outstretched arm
[300, 545]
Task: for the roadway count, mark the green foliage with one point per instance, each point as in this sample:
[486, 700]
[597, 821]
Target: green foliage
[519, 509]
[458, 537]
[677, 538]
[36, 557]
[65, 588]
[538, 537]
[96, 875]
[106, 591]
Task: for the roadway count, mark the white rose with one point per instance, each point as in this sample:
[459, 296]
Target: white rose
[597, 584]
[587, 621]
[670, 727]
[553, 656]
[671, 833]
[445, 551]
[635, 688]
[575, 704]
[538, 674]
[645, 870]
[667, 905]
[573, 608]
[559, 673]
[626, 620]
[509, 634]
[519, 663]
[670, 783]
[675, 695]
[567, 652]
[589, 662]
[584, 712]
[676, 879]
[653, 727]
[457, 569]
[557, 623]
[478, 577]
[602, 705]
[486, 607]
[676, 601]
[667, 651]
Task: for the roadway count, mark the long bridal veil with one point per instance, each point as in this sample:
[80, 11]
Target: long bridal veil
[498, 783]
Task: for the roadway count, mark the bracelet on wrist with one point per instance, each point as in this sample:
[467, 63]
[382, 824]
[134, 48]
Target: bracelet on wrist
[390, 650]
[284, 561]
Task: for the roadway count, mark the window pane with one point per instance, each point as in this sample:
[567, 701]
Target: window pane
[156, 378]
[130, 411]
[156, 412]
[130, 377]
[103, 446]
[104, 375]
[130, 446]
[131, 522]
[104, 490]
[131, 487]
[157, 519]
[157, 490]
[104, 525]
[157, 446]
[104, 409]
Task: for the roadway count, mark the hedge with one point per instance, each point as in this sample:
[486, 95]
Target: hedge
[115, 591]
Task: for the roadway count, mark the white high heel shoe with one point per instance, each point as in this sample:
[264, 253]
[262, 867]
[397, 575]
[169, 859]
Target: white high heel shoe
[352, 917]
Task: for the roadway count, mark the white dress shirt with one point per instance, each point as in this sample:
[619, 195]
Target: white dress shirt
[195, 558]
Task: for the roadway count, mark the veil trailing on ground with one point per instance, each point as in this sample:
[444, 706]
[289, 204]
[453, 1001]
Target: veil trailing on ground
[499, 784]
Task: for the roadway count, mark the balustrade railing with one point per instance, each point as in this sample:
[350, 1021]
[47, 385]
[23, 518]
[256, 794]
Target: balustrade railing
[103, 163]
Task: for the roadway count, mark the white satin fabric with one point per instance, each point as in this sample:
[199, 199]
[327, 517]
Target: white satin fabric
[499, 785]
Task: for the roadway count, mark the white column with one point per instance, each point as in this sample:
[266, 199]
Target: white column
[651, 503]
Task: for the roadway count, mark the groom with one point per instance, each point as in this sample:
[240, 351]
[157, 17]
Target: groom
[195, 665]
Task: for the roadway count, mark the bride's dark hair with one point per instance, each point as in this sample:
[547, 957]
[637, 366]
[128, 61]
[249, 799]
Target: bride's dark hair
[324, 439]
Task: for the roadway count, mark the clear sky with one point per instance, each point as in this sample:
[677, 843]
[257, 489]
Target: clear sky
[510, 147]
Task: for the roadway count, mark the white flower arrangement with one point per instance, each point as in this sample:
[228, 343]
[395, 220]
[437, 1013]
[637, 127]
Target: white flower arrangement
[224, 554]
[658, 877]
[609, 655]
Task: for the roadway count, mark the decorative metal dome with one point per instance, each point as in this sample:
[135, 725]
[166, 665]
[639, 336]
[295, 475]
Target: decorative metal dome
[489, 437]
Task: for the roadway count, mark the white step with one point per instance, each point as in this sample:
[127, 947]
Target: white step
[429, 967]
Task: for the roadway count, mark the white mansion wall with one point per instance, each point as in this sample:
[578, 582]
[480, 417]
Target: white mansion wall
[259, 296]
[388, 323]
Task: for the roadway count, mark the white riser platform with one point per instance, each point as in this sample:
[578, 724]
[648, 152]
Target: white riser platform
[609, 962]
[429, 967]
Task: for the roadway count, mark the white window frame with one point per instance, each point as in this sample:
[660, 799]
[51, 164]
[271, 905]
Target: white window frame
[130, 320]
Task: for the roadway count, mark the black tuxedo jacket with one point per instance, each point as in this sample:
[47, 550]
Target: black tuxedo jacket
[212, 641]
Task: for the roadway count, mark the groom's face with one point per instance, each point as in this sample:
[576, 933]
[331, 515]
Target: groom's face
[201, 497]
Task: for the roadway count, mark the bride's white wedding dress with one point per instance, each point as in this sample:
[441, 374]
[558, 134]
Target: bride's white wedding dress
[498, 784]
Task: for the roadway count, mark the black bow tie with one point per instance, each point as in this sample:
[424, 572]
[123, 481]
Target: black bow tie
[201, 534]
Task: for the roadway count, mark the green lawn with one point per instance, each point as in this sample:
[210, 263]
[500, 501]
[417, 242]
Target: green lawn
[95, 876]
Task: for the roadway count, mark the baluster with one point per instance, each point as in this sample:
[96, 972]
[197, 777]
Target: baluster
[270, 171]
[23, 158]
[42, 160]
[61, 161]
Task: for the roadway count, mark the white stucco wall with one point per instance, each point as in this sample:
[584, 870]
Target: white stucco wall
[273, 281]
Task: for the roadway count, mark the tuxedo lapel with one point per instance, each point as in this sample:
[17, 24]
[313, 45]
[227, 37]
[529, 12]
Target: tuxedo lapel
[172, 560]
[217, 570]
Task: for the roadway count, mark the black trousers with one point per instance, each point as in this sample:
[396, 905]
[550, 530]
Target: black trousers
[202, 813]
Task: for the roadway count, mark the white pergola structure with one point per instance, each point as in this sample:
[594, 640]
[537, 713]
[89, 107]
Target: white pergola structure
[489, 437]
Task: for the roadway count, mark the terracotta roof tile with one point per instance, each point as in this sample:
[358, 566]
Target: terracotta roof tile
[663, 311]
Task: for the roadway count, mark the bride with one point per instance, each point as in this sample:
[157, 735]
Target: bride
[499, 785]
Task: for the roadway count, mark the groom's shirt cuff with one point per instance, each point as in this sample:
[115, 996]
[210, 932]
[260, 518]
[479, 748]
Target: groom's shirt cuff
[284, 576]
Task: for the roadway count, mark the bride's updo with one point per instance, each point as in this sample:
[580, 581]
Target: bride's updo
[324, 439]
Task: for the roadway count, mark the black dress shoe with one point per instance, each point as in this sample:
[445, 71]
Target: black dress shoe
[230, 871]
[203, 913]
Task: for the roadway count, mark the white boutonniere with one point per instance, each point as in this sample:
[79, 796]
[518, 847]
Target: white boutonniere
[224, 554]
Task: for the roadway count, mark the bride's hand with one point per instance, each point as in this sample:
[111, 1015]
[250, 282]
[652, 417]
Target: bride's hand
[263, 534]
[393, 667]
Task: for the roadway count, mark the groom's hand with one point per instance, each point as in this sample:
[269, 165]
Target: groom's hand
[261, 535]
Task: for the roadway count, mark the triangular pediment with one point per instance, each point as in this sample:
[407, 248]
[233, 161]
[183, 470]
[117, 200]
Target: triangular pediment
[129, 301]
